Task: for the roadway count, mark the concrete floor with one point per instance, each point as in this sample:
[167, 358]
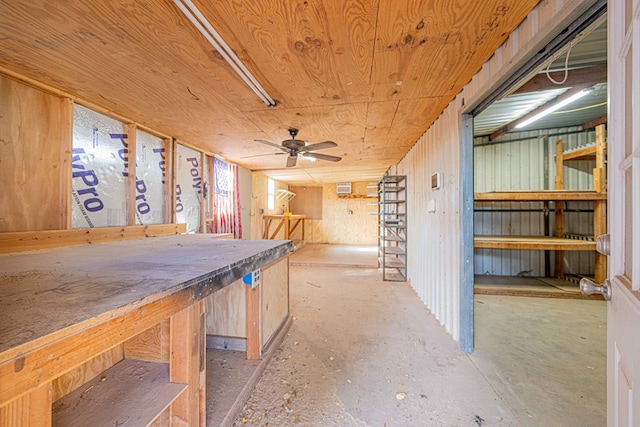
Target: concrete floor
[363, 352]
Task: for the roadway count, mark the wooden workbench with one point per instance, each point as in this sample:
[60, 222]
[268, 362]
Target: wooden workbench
[287, 223]
[129, 315]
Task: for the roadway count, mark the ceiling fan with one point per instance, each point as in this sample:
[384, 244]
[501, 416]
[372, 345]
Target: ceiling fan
[294, 147]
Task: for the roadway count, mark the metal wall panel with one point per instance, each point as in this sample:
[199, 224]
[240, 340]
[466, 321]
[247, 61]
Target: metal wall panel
[434, 237]
[434, 260]
[526, 161]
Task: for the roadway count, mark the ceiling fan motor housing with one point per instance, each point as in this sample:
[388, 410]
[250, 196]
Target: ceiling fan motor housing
[293, 143]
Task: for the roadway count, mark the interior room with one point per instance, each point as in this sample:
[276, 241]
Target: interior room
[197, 197]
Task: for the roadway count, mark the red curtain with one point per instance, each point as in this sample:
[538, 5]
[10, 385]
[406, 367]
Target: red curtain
[226, 199]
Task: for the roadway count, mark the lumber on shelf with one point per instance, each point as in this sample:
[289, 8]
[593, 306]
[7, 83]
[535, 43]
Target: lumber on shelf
[532, 243]
[544, 195]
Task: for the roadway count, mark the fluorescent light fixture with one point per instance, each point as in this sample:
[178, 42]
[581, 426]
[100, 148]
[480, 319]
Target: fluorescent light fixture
[206, 29]
[553, 108]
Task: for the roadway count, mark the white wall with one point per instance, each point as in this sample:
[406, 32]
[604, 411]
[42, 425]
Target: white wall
[434, 248]
[433, 239]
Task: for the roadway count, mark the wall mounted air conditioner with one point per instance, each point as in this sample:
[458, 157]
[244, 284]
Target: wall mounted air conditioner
[343, 188]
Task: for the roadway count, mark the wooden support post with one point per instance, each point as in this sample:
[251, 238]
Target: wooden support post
[31, 409]
[254, 341]
[185, 364]
[599, 172]
[559, 211]
[173, 154]
[600, 227]
[203, 201]
[132, 133]
[168, 185]
[559, 232]
[286, 221]
[203, 363]
[559, 182]
[66, 173]
[295, 225]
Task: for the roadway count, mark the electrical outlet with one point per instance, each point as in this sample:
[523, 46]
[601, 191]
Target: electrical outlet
[252, 279]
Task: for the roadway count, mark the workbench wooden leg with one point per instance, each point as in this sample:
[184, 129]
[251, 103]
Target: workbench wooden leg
[254, 341]
[202, 389]
[185, 364]
[32, 409]
[277, 230]
[287, 229]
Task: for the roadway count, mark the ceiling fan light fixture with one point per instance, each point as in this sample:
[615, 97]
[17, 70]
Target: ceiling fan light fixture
[198, 20]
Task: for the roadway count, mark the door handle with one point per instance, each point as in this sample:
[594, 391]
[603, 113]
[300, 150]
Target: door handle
[589, 287]
[603, 244]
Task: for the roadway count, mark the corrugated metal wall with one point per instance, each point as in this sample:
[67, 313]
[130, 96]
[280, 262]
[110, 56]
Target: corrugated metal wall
[433, 255]
[525, 161]
[434, 260]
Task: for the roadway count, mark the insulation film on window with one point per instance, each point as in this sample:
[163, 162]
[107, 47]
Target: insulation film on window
[99, 170]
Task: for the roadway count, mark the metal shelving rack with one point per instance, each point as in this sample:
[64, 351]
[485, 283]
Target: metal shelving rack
[392, 246]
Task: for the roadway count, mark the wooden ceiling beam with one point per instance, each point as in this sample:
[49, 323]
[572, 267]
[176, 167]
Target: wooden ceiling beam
[593, 123]
[588, 76]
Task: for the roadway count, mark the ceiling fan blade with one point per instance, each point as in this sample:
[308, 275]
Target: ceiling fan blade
[279, 147]
[319, 146]
[291, 161]
[323, 157]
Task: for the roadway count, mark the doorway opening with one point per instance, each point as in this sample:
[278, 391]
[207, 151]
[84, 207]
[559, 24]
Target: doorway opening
[540, 196]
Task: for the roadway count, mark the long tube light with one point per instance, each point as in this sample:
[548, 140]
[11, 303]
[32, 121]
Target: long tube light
[206, 29]
[553, 108]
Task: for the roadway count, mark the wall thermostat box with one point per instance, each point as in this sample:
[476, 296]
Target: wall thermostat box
[436, 180]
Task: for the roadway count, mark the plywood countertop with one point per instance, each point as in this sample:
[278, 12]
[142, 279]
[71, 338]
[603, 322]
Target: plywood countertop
[52, 293]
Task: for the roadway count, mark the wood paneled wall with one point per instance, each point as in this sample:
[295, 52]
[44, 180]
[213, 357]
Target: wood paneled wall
[35, 151]
[346, 220]
[259, 199]
[36, 139]
[434, 255]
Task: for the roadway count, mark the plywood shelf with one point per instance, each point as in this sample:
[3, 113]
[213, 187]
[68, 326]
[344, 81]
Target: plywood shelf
[587, 152]
[533, 243]
[560, 242]
[395, 275]
[395, 250]
[392, 179]
[394, 263]
[392, 238]
[132, 390]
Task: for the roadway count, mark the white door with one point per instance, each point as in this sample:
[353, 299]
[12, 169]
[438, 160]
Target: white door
[623, 318]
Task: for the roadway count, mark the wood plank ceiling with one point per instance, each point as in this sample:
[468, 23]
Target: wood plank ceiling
[371, 75]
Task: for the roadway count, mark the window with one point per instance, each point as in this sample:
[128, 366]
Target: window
[271, 194]
[100, 167]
